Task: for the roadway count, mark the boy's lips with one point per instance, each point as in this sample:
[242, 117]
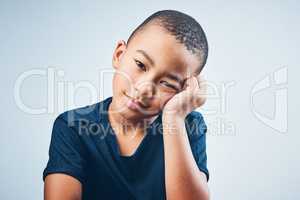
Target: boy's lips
[133, 103]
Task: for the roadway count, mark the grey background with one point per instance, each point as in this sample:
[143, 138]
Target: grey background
[248, 41]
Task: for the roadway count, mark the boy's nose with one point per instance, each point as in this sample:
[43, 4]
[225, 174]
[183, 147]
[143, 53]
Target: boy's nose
[145, 90]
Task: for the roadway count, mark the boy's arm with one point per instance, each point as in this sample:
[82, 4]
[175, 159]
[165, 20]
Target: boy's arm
[183, 178]
[62, 186]
[65, 170]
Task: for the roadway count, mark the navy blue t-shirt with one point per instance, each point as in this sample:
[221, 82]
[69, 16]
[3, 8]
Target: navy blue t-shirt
[84, 146]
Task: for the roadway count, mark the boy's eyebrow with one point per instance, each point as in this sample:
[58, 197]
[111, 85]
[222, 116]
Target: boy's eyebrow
[146, 56]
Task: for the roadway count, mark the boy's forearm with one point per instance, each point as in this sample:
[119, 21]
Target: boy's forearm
[183, 178]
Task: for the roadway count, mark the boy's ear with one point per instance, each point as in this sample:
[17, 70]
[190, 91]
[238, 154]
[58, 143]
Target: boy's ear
[118, 53]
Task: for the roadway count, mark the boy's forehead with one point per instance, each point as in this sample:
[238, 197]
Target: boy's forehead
[161, 49]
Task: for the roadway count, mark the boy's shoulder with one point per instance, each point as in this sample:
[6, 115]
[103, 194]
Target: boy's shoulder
[195, 125]
[194, 116]
[88, 112]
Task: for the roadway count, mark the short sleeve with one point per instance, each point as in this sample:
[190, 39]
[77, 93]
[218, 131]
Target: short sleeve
[197, 129]
[65, 152]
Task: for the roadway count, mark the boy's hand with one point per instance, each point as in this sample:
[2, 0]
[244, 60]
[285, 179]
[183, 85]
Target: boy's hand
[191, 97]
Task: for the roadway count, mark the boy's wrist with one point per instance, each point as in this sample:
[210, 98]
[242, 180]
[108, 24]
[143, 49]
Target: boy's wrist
[167, 116]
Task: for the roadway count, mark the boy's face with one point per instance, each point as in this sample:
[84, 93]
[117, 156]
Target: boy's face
[151, 69]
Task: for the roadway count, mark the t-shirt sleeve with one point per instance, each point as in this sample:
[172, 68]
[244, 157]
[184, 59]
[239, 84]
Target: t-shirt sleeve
[197, 136]
[65, 152]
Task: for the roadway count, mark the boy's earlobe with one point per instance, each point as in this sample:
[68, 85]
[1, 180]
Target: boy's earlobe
[118, 53]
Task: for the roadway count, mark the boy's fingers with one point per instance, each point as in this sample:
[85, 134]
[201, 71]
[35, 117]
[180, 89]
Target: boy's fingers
[202, 85]
[197, 83]
[200, 79]
[191, 82]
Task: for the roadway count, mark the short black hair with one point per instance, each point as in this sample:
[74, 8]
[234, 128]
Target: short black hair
[185, 29]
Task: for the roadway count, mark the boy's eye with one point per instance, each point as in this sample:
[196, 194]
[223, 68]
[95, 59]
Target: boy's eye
[169, 85]
[140, 65]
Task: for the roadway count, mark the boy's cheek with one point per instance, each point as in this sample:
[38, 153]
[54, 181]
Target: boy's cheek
[124, 80]
[129, 76]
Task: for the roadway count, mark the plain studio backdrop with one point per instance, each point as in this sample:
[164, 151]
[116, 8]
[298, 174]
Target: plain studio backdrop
[56, 55]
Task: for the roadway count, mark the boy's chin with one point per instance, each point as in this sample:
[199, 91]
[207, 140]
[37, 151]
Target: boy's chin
[136, 114]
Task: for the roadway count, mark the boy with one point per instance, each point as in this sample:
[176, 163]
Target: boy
[145, 142]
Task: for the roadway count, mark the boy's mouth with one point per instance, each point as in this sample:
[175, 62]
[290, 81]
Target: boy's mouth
[134, 103]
